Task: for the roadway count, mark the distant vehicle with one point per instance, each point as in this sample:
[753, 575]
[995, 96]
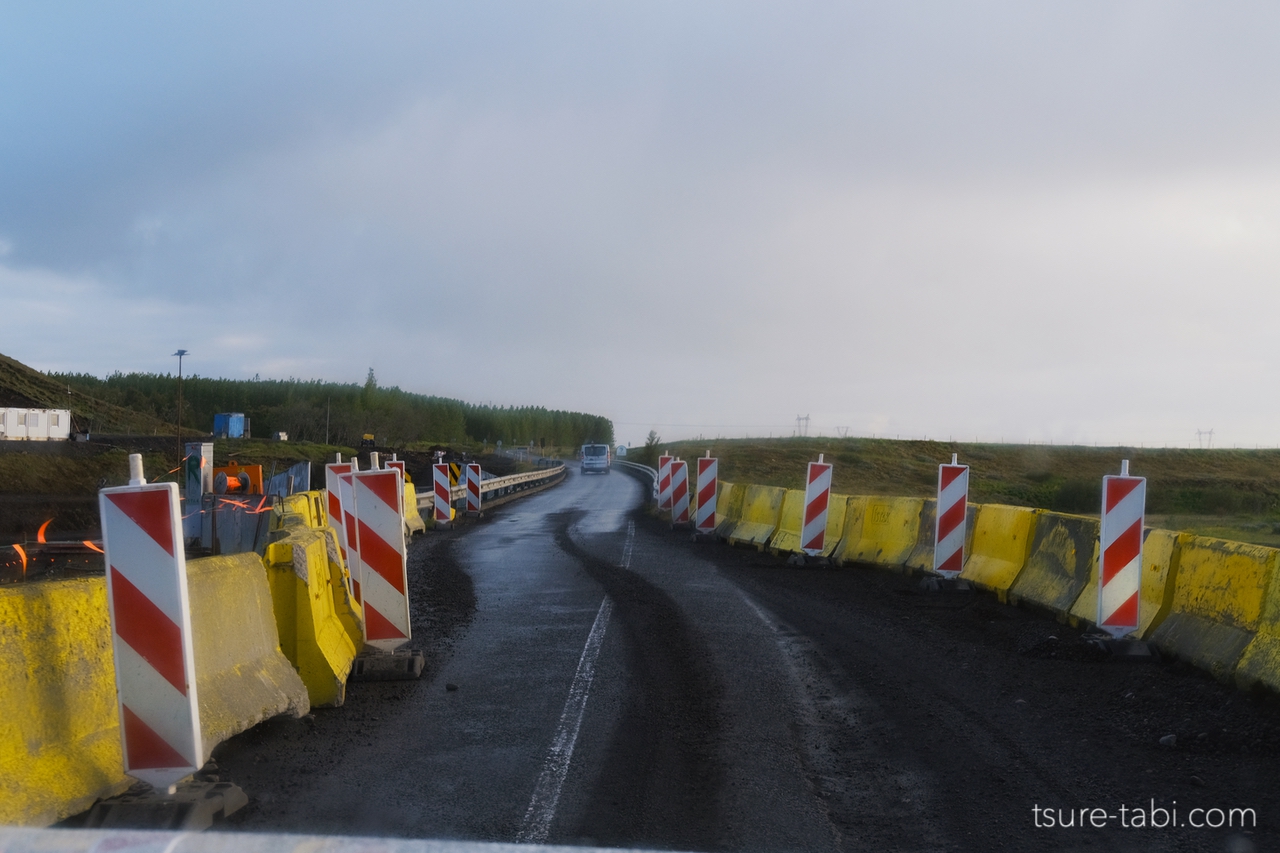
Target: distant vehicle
[595, 457]
[367, 440]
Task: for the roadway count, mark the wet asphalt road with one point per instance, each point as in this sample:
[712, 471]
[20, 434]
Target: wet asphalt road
[595, 678]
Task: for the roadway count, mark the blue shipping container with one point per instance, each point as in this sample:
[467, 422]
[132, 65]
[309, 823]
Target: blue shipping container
[228, 425]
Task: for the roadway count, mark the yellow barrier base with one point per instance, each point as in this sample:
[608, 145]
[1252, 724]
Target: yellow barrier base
[1001, 542]
[1063, 550]
[787, 539]
[880, 531]
[59, 728]
[59, 724]
[1217, 602]
[761, 508]
[728, 508]
[921, 556]
[242, 677]
[1160, 551]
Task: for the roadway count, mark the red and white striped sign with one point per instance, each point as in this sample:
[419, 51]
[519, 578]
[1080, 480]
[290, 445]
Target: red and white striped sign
[1124, 501]
[395, 464]
[350, 532]
[817, 494]
[473, 487]
[440, 490]
[679, 492]
[333, 502]
[664, 482]
[151, 632]
[949, 526]
[382, 560]
[704, 517]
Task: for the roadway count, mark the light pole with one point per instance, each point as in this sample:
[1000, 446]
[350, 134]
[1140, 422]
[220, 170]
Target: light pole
[180, 353]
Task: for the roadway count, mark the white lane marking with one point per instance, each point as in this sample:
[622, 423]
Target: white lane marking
[546, 794]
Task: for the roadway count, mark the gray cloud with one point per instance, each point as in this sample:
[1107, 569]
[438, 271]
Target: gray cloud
[1033, 221]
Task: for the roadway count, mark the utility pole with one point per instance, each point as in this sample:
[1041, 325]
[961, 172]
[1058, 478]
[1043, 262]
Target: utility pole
[180, 353]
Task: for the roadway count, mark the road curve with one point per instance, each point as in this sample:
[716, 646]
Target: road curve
[596, 678]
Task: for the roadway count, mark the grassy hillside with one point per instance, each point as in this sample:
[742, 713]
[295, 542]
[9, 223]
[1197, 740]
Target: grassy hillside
[1231, 493]
[25, 387]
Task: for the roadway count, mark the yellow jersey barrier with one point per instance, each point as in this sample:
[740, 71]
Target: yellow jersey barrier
[59, 724]
[320, 623]
[761, 508]
[1002, 538]
[1063, 552]
[880, 531]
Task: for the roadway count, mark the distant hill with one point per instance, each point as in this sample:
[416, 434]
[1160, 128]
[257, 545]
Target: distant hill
[25, 387]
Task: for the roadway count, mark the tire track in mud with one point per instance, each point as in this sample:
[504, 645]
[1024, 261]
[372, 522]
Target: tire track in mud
[661, 779]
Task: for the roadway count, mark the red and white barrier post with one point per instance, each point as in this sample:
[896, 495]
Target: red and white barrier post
[949, 526]
[1124, 501]
[382, 560]
[817, 495]
[333, 502]
[473, 487]
[440, 491]
[679, 492]
[704, 517]
[151, 629]
[664, 482]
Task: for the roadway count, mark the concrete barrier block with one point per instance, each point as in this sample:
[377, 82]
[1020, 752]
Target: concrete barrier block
[1260, 662]
[1217, 603]
[883, 534]
[242, 676]
[312, 635]
[1160, 551]
[59, 723]
[787, 537]
[1002, 538]
[761, 509]
[59, 727]
[1064, 551]
[728, 507]
[413, 521]
[921, 556]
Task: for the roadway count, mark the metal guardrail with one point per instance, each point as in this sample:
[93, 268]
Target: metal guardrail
[637, 468]
[497, 485]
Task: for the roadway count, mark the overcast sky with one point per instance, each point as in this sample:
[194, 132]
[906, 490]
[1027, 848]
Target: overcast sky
[1019, 221]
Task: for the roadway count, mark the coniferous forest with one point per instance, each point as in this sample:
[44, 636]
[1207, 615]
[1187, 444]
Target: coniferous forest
[336, 413]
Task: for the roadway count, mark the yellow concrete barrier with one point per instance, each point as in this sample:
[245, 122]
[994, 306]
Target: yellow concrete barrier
[242, 677]
[413, 522]
[318, 622]
[728, 507]
[59, 728]
[787, 536]
[761, 507]
[1160, 552]
[1260, 664]
[1217, 603]
[59, 725]
[1002, 538]
[1063, 551]
[886, 534]
[921, 556]
[791, 521]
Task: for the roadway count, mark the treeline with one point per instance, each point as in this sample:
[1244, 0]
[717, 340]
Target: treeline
[339, 414]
